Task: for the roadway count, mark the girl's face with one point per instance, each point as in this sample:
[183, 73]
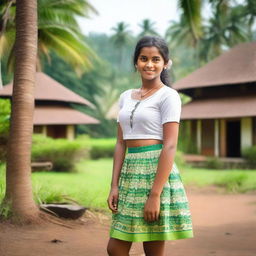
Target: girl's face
[150, 63]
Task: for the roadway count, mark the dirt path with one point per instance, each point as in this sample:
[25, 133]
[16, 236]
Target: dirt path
[224, 225]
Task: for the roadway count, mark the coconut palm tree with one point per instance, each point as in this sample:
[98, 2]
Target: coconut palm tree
[18, 194]
[121, 38]
[58, 31]
[191, 17]
[224, 29]
[147, 28]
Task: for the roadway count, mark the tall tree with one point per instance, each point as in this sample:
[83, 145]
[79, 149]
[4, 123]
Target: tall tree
[121, 38]
[191, 16]
[147, 28]
[18, 194]
[226, 27]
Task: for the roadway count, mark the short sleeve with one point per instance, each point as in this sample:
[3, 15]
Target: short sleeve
[120, 105]
[170, 108]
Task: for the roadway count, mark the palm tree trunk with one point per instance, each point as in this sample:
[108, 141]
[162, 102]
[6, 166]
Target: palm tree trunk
[18, 181]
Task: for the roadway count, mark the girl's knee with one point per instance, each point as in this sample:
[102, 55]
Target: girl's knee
[110, 249]
[118, 248]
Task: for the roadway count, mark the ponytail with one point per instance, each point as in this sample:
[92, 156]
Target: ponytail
[165, 78]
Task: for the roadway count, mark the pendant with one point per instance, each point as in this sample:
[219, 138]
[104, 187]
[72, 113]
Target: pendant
[132, 113]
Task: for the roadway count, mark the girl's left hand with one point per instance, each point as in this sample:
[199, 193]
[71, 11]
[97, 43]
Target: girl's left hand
[152, 208]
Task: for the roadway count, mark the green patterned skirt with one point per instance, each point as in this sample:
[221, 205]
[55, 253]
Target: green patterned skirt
[135, 182]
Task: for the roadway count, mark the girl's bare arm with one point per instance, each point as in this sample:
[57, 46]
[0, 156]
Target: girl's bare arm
[119, 155]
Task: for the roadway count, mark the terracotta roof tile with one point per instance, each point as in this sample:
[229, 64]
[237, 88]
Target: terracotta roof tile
[220, 108]
[48, 89]
[53, 115]
[238, 65]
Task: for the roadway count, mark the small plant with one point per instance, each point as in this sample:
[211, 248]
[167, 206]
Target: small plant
[5, 211]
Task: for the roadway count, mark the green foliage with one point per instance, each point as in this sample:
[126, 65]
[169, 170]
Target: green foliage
[250, 155]
[58, 30]
[2, 179]
[233, 183]
[5, 111]
[179, 159]
[213, 163]
[5, 211]
[43, 195]
[191, 14]
[186, 143]
[147, 28]
[99, 148]
[62, 153]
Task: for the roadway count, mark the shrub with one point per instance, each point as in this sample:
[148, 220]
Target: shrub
[61, 152]
[102, 148]
[233, 183]
[3, 146]
[213, 163]
[179, 159]
[250, 155]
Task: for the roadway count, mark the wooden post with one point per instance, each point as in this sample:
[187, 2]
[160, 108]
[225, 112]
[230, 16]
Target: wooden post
[199, 136]
[223, 143]
[70, 132]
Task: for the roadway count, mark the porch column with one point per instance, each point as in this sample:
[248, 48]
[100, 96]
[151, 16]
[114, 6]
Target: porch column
[216, 138]
[44, 130]
[199, 136]
[70, 132]
[246, 132]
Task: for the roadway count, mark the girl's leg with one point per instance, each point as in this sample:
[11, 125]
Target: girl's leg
[118, 247]
[154, 248]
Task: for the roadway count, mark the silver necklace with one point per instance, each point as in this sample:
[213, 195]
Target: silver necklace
[143, 95]
[138, 103]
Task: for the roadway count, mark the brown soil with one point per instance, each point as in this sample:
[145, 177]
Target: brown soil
[224, 225]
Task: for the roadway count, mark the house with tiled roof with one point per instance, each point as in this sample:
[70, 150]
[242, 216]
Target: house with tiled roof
[221, 117]
[53, 114]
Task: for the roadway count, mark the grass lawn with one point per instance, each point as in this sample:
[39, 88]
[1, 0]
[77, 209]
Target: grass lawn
[90, 185]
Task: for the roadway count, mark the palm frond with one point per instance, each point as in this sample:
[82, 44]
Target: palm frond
[191, 13]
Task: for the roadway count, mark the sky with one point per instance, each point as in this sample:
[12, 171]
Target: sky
[130, 11]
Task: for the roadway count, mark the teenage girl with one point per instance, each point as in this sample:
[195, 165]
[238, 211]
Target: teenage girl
[147, 196]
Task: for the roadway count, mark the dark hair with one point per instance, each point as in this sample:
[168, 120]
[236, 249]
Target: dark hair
[160, 44]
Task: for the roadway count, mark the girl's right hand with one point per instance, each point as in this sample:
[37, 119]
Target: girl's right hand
[113, 200]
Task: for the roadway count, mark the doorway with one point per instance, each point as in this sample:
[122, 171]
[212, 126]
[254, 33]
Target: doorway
[233, 138]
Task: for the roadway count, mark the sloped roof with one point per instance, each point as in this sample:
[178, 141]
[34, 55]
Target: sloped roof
[56, 115]
[220, 108]
[48, 89]
[238, 65]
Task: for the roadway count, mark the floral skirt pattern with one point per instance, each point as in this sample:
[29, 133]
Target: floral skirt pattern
[135, 182]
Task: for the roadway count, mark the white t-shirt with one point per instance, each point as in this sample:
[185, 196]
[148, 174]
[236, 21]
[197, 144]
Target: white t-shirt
[144, 119]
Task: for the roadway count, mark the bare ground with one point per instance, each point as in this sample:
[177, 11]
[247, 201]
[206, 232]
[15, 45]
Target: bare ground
[224, 225]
